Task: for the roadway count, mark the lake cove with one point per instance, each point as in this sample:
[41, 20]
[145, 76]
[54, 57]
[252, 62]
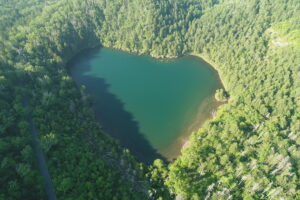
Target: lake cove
[150, 106]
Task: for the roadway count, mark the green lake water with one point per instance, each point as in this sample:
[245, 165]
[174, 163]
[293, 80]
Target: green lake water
[150, 106]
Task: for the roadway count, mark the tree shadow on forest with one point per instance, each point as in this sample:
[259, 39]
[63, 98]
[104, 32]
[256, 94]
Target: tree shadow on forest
[111, 114]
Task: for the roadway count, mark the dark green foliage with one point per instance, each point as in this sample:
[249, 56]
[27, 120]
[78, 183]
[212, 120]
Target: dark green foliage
[19, 176]
[249, 151]
[157, 175]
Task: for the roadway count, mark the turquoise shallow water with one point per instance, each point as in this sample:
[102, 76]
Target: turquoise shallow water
[145, 103]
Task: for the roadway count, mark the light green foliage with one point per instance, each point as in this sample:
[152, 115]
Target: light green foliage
[249, 151]
[221, 95]
[286, 33]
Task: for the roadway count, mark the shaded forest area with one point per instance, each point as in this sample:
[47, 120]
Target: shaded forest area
[249, 151]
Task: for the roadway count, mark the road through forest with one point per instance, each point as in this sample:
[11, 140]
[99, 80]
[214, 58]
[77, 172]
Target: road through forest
[40, 156]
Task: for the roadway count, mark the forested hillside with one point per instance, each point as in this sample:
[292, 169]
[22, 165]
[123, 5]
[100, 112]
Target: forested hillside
[250, 150]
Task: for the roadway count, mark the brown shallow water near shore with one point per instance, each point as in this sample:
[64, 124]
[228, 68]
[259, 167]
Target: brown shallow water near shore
[206, 111]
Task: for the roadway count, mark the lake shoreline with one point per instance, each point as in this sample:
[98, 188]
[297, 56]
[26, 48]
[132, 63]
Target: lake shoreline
[212, 64]
[203, 114]
[216, 69]
[201, 57]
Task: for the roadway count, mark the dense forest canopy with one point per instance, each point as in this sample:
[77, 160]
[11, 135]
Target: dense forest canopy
[250, 150]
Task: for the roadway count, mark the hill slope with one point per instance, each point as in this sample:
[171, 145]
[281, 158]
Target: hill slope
[249, 151]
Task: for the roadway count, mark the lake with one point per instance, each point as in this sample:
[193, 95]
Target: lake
[151, 106]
